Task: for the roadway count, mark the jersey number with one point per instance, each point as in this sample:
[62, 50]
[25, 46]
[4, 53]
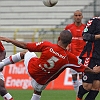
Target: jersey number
[51, 62]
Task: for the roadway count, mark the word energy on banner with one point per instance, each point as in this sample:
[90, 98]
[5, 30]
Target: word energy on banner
[16, 76]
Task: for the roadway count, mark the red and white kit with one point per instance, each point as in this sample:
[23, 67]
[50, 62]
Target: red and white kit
[53, 60]
[77, 42]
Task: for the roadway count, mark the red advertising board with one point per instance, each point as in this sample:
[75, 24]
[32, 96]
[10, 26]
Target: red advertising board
[16, 77]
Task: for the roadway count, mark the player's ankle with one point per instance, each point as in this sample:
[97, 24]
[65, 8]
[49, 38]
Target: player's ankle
[78, 98]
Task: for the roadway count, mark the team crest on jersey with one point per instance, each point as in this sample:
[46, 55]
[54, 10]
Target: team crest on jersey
[86, 29]
[79, 60]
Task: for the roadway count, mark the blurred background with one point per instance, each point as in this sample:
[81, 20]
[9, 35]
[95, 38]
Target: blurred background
[30, 20]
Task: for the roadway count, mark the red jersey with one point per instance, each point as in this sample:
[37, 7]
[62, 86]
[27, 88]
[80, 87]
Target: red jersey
[53, 60]
[1, 47]
[77, 43]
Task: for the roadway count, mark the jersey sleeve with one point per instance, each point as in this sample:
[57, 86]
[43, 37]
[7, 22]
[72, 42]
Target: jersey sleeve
[75, 63]
[37, 46]
[1, 47]
[79, 69]
[90, 30]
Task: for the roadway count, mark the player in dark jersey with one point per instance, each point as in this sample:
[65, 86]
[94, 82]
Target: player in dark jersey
[3, 92]
[54, 59]
[91, 82]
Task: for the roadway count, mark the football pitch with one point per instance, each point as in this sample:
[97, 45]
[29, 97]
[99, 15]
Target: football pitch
[46, 95]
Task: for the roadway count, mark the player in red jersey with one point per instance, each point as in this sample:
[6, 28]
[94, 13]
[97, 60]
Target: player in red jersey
[52, 62]
[3, 91]
[76, 45]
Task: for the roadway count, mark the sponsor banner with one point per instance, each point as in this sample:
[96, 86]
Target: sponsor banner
[16, 77]
[64, 81]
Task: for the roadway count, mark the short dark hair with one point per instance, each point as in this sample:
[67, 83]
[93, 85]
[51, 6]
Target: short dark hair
[66, 36]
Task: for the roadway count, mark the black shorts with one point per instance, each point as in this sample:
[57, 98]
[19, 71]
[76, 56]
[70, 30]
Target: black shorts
[89, 77]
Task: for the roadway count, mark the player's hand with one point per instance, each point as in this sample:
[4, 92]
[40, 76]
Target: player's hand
[96, 69]
[4, 39]
[1, 38]
[88, 37]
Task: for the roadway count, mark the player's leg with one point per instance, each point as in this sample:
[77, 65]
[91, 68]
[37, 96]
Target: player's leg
[80, 79]
[36, 95]
[12, 59]
[37, 87]
[87, 82]
[94, 91]
[86, 85]
[3, 91]
[80, 74]
[74, 80]
[83, 89]
[96, 83]
[37, 90]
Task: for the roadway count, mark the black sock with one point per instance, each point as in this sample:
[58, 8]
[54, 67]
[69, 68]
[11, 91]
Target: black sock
[92, 95]
[81, 92]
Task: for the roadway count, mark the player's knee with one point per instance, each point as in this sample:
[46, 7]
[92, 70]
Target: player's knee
[87, 86]
[96, 85]
[37, 92]
[2, 90]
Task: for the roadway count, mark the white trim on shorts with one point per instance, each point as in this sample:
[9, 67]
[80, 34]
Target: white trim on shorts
[37, 86]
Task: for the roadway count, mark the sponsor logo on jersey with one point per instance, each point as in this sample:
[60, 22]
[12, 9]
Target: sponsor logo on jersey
[86, 29]
[87, 60]
[56, 53]
[79, 60]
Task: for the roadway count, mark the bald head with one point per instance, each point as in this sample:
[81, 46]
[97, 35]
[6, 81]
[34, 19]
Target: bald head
[65, 36]
[78, 17]
[78, 11]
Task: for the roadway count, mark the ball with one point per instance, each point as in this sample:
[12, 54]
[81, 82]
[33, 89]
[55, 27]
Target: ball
[50, 3]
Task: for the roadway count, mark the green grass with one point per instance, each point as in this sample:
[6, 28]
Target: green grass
[46, 95]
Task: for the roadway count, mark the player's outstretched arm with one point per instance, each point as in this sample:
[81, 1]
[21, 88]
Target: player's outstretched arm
[95, 70]
[97, 37]
[14, 42]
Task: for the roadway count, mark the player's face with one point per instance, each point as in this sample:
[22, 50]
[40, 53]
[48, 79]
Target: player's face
[78, 17]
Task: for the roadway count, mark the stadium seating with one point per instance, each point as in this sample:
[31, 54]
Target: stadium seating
[32, 13]
[20, 17]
